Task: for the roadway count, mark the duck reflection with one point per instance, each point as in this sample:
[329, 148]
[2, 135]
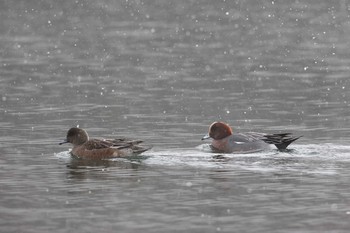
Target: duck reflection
[83, 168]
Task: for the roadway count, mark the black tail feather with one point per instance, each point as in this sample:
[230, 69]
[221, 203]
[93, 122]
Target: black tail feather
[281, 141]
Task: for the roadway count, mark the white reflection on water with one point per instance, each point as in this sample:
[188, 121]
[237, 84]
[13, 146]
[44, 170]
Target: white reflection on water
[304, 159]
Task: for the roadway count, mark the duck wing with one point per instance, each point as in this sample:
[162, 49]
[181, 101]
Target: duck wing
[280, 140]
[117, 143]
[94, 144]
[126, 143]
[241, 138]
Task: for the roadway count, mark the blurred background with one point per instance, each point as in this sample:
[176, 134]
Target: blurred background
[163, 71]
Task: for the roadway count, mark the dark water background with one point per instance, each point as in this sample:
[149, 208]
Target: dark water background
[162, 71]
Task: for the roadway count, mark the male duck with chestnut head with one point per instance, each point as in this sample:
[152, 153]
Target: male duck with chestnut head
[225, 141]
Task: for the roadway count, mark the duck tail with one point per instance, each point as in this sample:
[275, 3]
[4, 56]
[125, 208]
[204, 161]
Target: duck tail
[140, 149]
[281, 141]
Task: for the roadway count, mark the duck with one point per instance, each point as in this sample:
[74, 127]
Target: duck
[86, 148]
[225, 141]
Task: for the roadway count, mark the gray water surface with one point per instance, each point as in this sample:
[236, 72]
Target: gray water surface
[163, 71]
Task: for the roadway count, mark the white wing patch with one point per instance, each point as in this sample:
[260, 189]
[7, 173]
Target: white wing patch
[238, 142]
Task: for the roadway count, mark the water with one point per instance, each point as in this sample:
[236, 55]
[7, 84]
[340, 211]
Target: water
[162, 71]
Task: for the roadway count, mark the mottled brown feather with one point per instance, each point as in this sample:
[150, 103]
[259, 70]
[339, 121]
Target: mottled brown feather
[83, 147]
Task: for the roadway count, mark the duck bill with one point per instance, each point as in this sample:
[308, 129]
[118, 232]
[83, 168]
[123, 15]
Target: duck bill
[206, 137]
[64, 142]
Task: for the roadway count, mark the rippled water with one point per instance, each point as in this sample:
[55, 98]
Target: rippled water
[162, 71]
